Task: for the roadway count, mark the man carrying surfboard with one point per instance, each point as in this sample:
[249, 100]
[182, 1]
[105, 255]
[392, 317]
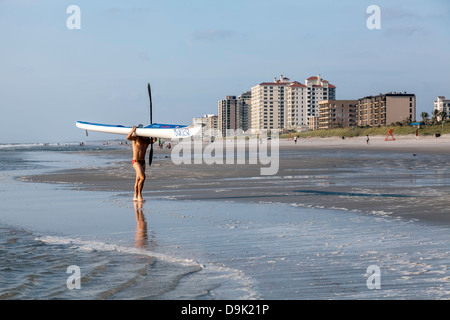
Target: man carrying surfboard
[140, 145]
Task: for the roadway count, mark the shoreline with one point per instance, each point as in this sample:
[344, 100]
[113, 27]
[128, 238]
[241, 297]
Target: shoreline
[402, 178]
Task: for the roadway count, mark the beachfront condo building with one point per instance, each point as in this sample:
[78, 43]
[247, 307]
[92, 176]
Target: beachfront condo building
[283, 104]
[442, 105]
[303, 102]
[212, 126]
[313, 122]
[385, 109]
[227, 115]
[234, 113]
[296, 98]
[209, 123]
[267, 105]
[243, 111]
[337, 114]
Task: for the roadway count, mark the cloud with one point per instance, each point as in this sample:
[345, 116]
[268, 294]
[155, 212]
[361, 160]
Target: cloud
[113, 10]
[213, 34]
[406, 31]
[121, 10]
[398, 13]
[413, 14]
[408, 22]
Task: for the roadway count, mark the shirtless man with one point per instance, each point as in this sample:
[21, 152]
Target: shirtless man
[140, 145]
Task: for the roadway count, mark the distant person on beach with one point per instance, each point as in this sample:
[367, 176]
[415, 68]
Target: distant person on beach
[140, 145]
[295, 139]
[367, 139]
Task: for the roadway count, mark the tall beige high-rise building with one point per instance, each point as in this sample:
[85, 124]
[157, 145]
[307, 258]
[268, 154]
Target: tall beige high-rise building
[385, 109]
[295, 99]
[282, 104]
[267, 104]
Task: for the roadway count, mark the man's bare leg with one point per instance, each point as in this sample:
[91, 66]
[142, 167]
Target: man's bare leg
[140, 178]
[140, 187]
[136, 189]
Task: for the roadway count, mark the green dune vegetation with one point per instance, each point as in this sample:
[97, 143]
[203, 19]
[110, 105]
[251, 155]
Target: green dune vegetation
[399, 129]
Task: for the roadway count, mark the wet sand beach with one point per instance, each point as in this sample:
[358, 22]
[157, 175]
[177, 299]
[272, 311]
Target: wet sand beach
[407, 177]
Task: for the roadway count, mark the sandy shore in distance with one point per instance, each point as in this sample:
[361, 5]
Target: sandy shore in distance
[407, 177]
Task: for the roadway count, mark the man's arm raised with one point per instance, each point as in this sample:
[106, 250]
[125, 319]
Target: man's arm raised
[130, 135]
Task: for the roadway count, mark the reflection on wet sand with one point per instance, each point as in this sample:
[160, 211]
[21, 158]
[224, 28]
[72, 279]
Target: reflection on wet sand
[141, 237]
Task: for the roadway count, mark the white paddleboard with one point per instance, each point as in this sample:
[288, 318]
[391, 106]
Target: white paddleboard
[155, 130]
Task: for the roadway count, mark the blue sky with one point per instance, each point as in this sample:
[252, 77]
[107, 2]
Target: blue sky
[196, 52]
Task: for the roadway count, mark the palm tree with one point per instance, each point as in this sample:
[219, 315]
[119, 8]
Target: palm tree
[442, 115]
[435, 116]
[425, 117]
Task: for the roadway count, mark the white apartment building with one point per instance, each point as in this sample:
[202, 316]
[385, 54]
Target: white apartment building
[302, 101]
[209, 123]
[441, 104]
[282, 104]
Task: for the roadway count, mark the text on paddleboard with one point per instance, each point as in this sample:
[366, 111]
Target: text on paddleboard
[181, 132]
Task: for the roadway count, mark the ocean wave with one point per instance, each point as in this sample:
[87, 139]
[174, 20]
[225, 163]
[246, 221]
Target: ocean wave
[89, 245]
